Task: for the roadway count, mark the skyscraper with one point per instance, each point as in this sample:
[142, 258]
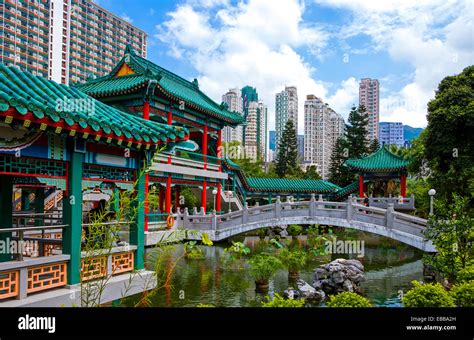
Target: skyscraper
[255, 131]
[65, 40]
[391, 134]
[286, 107]
[369, 97]
[322, 127]
[234, 102]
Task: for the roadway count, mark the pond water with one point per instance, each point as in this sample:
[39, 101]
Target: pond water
[390, 266]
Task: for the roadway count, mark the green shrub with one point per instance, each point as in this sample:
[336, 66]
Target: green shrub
[279, 301]
[463, 294]
[466, 274]
[293, 259]
[427, 295]
[348, 299]
[205, 305]
[264, 266]
[294, 230]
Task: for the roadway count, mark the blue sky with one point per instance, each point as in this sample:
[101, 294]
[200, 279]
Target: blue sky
[323, 47]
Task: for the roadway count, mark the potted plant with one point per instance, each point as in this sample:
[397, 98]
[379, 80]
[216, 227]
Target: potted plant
[293, 259]
[263, 267]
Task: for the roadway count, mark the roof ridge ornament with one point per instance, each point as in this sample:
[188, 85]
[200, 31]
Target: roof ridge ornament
[196, 83]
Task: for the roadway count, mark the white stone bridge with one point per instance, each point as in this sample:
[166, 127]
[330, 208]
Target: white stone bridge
[385, 222]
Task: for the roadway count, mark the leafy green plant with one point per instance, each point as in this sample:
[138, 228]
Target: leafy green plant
[450, 229]
[205, 305]
[463, 294]
[233, 255]
[348, 299]
[279, 301]
[427, 295]
[293, 259]
[294, 230]
[466, 274]
[192, 250]
[263, 267]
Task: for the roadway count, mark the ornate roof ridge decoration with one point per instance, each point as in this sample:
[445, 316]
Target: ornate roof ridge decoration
[380, 161]
[171, 85]
[42, 102]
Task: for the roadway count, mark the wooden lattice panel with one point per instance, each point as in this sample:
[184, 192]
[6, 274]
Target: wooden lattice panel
[50, 249]
[8, 284]
[122, 263]
[46, 277]
[93, 268]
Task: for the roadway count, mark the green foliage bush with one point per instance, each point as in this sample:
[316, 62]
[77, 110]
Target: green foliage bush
[264, 266]
[279, 301]
[463, 294]
[294, 230]
[348, 299]
[466, 274]
[427, 295]
[293, 259]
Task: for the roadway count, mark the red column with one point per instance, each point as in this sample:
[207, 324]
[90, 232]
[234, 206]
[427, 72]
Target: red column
[204, 183]
[146, 115]
[219, 184]
[168, 180]
[403, 189]
[361, 186]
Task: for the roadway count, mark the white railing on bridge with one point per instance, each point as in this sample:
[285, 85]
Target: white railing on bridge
[399, 203]
[386, 222]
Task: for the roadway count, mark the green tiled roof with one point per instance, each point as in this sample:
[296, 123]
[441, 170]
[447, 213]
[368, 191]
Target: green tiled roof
[114, 86]
[290, 185]
[49, 103]
[347, 190]
[170, 84]
[381, 161]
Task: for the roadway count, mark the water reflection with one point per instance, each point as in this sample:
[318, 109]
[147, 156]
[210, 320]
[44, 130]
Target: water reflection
[389, 268]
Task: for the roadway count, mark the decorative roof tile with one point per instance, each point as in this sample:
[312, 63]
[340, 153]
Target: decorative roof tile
[170, 84]
[291, 185]
[60, 103]
[381, 161]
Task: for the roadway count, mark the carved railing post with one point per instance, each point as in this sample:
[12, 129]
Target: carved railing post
[312, 206]
[185, 217]
[245, 214]
[349, 208]
[202, 212]
[278, 207]
[195, 212]
[213, 221]
[389, 216]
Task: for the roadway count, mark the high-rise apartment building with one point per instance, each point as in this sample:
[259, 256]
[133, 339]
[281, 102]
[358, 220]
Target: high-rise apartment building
[234, 103]
[392, 134]
[256, 131]
[369, 97]
[286, 107]
[322, 127]
[65, 40]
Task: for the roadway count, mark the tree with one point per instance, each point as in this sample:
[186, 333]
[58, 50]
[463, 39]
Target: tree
[374, 146]
[450, 229]
[339, 173]
[352, 145]
[356, 132]
[449, 143]
[312, 173]
[287, 156]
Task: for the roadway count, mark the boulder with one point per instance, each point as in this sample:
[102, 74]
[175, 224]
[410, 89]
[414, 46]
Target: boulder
[340, 275]
[309, 293]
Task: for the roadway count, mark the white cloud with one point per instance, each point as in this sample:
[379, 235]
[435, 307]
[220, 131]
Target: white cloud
[252, 43]
[436, 38]
[126, 17]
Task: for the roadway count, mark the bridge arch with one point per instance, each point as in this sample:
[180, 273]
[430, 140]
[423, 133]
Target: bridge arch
[384, 222]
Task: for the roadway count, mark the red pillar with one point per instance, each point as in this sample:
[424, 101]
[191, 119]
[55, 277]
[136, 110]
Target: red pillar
[361, 186]
[219, 184]
[168, 180]
[403, 189]
[146, 115]
[204, 183]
